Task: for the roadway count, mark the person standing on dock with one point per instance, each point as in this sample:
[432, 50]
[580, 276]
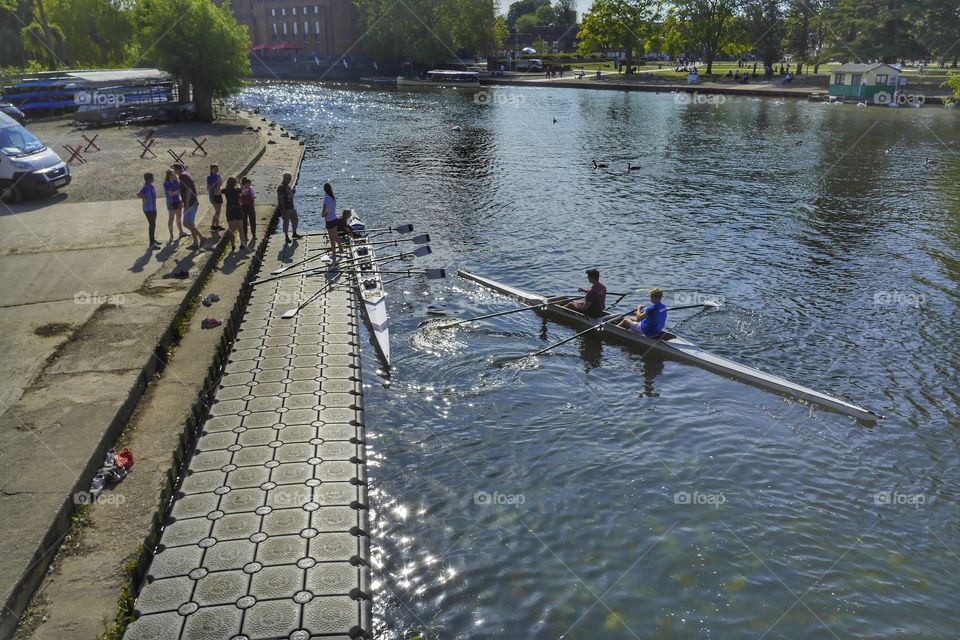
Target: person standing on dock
[330, 219]
[595, 301]
[247, 198]
[214, 184]
[171, 189]
[288, 212]
[148, 194]
[234, 214]
[191, 202]
[649, 320]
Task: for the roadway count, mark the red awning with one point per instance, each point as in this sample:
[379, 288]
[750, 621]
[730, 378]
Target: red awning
[259, 47]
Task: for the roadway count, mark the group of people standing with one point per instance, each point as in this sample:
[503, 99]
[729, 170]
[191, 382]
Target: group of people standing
[183, 201]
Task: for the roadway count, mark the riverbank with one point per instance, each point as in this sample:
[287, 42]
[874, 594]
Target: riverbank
[105, 343]
[613, 81]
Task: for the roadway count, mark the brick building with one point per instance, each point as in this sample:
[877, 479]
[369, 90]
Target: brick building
[309, 29]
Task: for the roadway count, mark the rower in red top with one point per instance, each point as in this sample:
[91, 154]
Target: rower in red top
[595, 301]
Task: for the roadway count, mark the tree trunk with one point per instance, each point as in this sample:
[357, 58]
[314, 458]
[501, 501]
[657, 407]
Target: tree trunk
[709, 60]
[46, 35]
[203, 101]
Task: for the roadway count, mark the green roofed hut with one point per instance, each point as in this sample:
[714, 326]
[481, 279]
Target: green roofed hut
[875, 83]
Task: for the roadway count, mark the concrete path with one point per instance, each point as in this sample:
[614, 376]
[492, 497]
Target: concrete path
[267, 538]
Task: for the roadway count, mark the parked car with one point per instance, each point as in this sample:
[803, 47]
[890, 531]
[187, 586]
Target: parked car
[13, 112]
[27, 166]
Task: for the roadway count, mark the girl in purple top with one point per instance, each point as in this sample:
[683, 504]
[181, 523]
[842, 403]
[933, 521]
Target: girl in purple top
[148, 195]
[171, 189]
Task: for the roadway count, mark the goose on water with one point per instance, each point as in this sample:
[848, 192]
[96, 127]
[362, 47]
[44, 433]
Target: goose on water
[599, 165]
[633, 167]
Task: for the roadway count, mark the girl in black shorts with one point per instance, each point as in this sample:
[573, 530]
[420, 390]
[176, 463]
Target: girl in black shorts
[231, 193]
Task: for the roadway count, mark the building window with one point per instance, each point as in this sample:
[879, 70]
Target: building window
[294, 28]
[855, 79]
[284, 28]
[316, 27]
[838, 78]
[306, 29]
[274, 28]
[273, 12]
[305, 10]
[283, 12]
[881, 78]
[893, 80]
[316, 9]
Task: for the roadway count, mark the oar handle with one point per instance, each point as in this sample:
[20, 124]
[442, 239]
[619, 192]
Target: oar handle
[584, 332]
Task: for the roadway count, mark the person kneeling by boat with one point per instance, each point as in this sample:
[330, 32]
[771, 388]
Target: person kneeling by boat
[595, 301]
[648, 320]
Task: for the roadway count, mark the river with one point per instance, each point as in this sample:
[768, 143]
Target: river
[598, 492]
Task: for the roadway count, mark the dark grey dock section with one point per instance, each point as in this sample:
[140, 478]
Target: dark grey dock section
[267, 537]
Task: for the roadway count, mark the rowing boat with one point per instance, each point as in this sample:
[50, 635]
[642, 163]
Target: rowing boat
[369, 285]
[674, 346]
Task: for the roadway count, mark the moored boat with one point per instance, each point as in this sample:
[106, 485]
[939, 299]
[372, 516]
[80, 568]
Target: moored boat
[443, 78]
[677, 347]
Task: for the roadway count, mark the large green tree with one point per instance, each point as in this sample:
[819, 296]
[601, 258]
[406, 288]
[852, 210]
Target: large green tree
[708, 26]
[197, 41]
[876, 29]
[96, 33]
[764, 30]
[617, 24]
[427, 32]
[566, 13]
[522, 8]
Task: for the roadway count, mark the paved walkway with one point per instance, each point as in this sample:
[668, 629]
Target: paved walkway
[267, 538]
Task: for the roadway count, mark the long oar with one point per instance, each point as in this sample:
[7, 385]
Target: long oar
[539, 305]
[403, 228]
[708, 304]
[431, 274]
[419, 252]
[316, 270]
[295, 264]
[421, 239]
[293, 312]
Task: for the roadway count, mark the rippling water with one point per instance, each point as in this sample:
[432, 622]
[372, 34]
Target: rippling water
[594, 492]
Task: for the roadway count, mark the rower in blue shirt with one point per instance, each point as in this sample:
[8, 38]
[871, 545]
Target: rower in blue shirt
[649, 320]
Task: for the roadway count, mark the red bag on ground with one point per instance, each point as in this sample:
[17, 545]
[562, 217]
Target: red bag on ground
[123, 459]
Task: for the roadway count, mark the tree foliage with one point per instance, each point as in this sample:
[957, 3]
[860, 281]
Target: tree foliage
[708, 26]
[427, 32]
[617, 24]
[522, 8]
[95, 32]
[197, 41]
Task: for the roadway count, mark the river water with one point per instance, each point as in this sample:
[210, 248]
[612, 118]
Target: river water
[597, 492]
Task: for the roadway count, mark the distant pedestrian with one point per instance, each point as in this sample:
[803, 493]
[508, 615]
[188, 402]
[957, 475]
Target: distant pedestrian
[754, 72]
[231, 192]
[214, 184]
[330, 219]
[191, 202]
[148, 194]
[288, 211]
[171, 189]
[247, 198]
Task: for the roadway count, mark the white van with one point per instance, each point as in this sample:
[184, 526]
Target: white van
[27, 166]
[529, 64]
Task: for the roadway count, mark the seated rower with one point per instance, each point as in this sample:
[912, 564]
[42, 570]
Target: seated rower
[648, 320]
[595, 301]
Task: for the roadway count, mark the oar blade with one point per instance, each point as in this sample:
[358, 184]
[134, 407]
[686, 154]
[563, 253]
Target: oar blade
[435, 274]
[404, 228]
[421, 239]
[290, 313]
[419, 252]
